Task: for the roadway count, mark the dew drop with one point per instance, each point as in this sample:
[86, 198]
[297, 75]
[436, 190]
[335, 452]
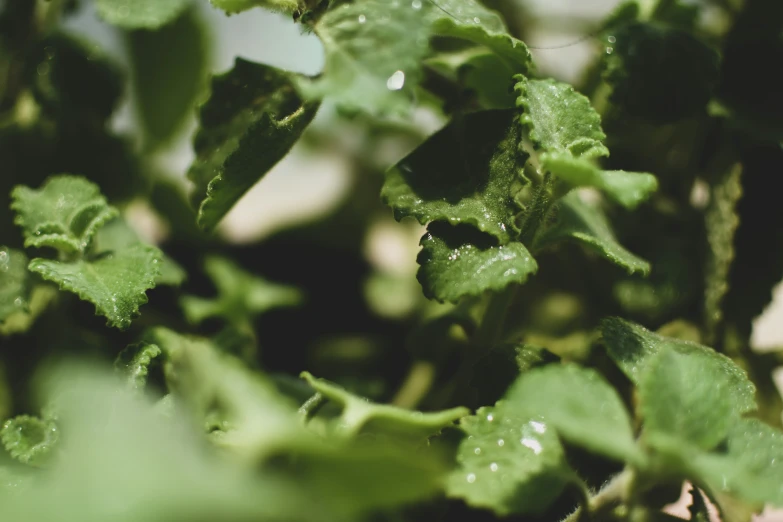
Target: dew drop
[493, 466]
[609, 50]
[476, 20]
[416, 4]
[362, 18]
[477, 451]
[612, 39]
[532, 444]
[18, 302]
[501, 442]
[396, 81]
[538, 427]
[490, 417]
[471, 478]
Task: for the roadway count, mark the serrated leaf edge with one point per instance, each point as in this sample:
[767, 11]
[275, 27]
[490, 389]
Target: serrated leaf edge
[35, 451]
[33, 266]
[585, 147]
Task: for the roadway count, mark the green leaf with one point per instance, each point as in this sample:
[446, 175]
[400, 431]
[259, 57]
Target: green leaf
[626, 11]
[586, 224]
[465, 14]
[14, 480]
[360, 415]
[29, 439]
[252, 119]
[64, 213]
[373, 52]
[479, 70]
[339, 476]
[559, 119]
[169, 72]
[140, 14]
[626, 188]
[497, 57]
[241, 295]
[580, 405]
[134, 363]
[464, 173]
[122, 460]
[633, 348]
[461, 261]
[688, 397]
[511, 51]
[660, 74]
[677, 13]
[359, 479]
[236, 6]
[115, 283]
[721, 222]
[118, 235]
[209, 384]
[755, 451]
[508, 463]
[15, 283]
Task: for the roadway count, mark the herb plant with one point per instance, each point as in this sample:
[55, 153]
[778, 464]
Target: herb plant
[580, 345]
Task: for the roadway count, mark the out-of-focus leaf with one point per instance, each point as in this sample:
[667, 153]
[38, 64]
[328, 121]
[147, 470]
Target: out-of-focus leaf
[241, 295]
[140, 14]
[15, 284]
[169, 72]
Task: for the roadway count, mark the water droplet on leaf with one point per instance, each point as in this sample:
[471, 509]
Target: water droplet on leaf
[396, 81]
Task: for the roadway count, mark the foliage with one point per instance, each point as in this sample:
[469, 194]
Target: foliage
[581, 345]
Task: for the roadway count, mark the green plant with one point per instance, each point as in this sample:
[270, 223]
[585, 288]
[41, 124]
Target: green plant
[519, 383]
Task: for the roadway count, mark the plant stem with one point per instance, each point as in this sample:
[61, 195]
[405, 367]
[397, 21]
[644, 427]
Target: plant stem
[417, 384]
[311, 406]
[612, 495]
[491, 328]
[49, 15]
[539, 208]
